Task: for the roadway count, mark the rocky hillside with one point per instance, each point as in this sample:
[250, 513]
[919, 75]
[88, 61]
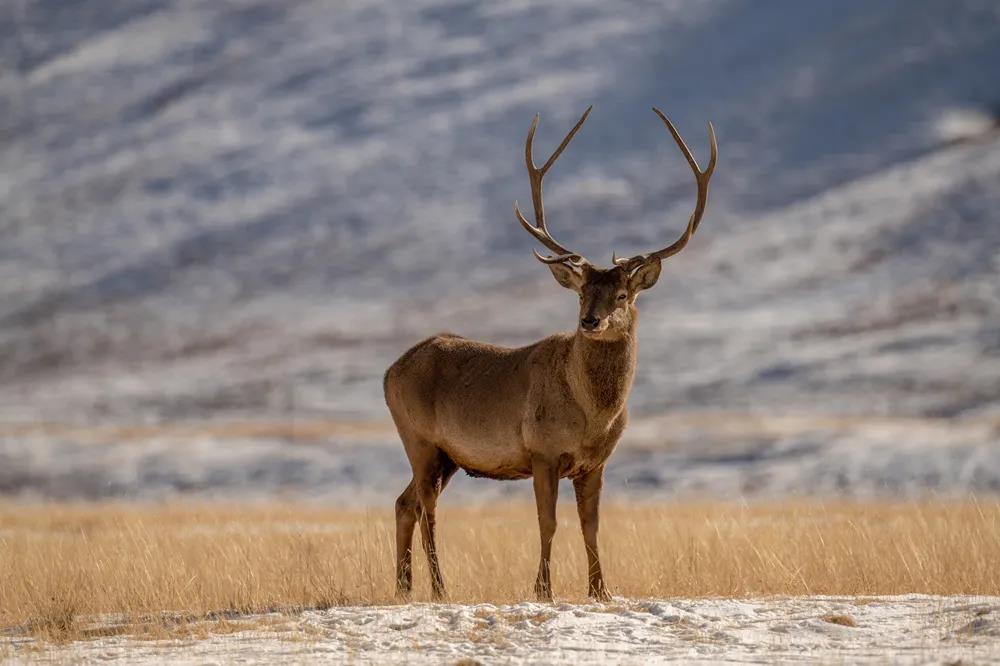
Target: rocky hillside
[242, 207]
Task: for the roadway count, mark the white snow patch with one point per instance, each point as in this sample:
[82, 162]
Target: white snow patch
[964, 125]
[911, 629]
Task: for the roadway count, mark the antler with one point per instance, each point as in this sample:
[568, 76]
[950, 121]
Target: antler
[701, 178]
[535, 176]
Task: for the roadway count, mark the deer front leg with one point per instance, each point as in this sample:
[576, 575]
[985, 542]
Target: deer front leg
[546, 479]
[588, 499]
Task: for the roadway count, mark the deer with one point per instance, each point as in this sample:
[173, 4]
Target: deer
[550, 410]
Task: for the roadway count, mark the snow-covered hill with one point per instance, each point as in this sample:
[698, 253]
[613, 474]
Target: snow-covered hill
[247, 209]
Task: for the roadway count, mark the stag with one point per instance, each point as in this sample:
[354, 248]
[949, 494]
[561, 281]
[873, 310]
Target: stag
[551, 410]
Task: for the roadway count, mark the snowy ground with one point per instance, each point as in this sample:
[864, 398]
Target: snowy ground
[909, 629]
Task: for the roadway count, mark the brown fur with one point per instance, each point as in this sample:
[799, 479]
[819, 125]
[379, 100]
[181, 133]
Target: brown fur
[554, 409]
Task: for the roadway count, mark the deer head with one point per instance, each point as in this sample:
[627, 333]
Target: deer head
[607, 295]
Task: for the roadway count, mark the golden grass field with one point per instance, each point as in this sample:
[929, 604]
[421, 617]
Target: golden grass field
[60, 565]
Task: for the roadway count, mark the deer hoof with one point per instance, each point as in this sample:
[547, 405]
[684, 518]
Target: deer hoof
[543, 592]
[600, 594]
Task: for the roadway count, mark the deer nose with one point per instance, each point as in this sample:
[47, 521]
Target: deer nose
[589, 323]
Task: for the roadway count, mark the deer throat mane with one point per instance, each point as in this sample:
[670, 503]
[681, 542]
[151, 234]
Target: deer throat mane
[602, 372]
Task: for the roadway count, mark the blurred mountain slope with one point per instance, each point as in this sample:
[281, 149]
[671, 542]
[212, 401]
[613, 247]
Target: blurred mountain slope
[245, 206]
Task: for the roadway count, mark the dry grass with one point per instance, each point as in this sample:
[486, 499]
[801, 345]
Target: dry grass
[64, 564]
[291, 431]
[646, 431]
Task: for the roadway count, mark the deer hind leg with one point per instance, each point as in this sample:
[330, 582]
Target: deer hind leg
[588, 498]
[408, 509]
[406, 518]
[546, 480]
[429, 485]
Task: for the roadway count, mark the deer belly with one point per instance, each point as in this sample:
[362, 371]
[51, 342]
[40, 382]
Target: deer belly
[494, 454]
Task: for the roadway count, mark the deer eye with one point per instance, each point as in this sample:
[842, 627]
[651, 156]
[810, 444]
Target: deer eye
[622, 296]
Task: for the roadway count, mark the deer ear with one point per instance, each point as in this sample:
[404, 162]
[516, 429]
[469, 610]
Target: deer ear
[645, 277]
[566, 276]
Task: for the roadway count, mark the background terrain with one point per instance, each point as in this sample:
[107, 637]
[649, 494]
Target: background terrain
[221, 221]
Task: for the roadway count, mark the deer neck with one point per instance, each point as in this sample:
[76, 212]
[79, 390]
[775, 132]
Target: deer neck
[600, 372]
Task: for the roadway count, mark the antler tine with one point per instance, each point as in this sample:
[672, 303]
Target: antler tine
[571, 258]
[701, 179]
[535, 176]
